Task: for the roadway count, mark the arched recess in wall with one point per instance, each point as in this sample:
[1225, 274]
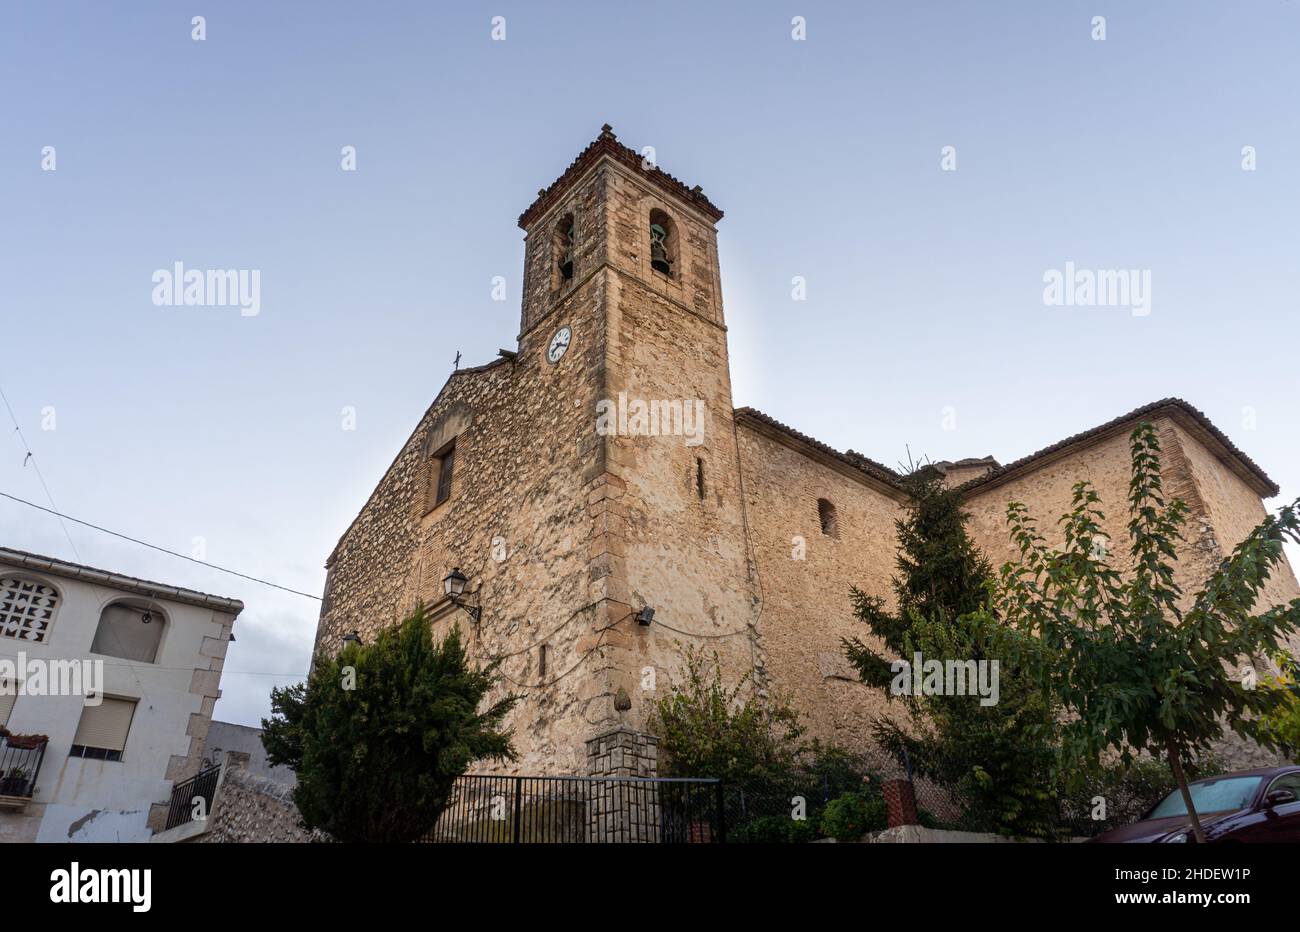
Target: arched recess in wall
[663, 243]
[562, 251]
[131, 629]
[828, 518]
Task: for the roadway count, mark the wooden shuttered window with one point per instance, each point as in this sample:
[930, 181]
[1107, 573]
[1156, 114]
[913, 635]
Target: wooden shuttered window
[445, 466]
[105, 725]
[436, 476]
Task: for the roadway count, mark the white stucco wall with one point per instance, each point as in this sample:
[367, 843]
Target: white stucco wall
[78, 799]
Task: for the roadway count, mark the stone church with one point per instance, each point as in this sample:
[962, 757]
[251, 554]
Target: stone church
[607, 506]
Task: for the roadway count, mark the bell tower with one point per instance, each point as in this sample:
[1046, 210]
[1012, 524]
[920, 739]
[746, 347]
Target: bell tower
[612, 208]
[621, 267]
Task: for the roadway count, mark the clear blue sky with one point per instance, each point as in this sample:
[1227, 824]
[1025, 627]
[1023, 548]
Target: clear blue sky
[924, 286]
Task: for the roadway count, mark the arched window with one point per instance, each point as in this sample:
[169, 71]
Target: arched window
[26, 608]
[562, 249]
[663, 242]
[131, 629]
[826, 513]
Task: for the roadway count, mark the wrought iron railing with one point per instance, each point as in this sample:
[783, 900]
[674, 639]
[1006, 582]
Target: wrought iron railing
[20, 765]
[202, 785]
[636, 810]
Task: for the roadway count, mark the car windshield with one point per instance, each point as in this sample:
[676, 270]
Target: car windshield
[1222, 795]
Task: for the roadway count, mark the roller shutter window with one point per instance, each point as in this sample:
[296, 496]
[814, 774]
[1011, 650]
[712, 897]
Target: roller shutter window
[103, 729]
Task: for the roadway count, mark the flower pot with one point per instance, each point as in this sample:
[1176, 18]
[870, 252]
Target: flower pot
[14, 786]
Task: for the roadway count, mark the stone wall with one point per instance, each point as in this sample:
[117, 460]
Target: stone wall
[804, 577]
[1047, 488]
[253, 809]
[1222, 510]
[683, 544]
[513, 525]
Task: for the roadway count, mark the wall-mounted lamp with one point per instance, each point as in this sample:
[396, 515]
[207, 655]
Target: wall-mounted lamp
[453, 584]
[645, 616]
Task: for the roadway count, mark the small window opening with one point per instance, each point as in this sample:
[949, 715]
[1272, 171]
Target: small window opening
[699, 477]
[826, 513]
[663, 242]
[441, 467]
[541, 661]
[564, 237]
[445, 466]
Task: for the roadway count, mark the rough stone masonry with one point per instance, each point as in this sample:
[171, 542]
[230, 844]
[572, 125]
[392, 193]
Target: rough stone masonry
[744, 543]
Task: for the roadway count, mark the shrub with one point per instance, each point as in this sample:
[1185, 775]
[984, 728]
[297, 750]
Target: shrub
[379, 734]
[773, 830]
[851, 816]
[706, 729]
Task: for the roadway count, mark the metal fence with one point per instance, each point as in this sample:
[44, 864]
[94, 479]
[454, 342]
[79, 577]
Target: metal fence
[20, 765]
[525, 810]
[202, 785]
[788, 806]
[784, 807]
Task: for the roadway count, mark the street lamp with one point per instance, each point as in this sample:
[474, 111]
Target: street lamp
[453, 585]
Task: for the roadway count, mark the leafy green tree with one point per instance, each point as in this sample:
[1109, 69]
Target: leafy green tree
[708, 730]
[1136, 668]
[379, 734]
[1282, 724]
[940, 570]
[998, 760]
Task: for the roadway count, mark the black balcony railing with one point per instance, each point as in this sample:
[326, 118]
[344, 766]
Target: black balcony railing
[582, 809]
[20, 764]
[203, 785]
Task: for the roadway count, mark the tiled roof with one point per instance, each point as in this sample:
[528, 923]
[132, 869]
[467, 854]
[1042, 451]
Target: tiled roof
[1174, 406]
[607, 144]
[852, 458]
[111, 580]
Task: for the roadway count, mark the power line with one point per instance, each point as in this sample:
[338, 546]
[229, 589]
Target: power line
[27, 448]
[694, 634]
[142, 543]
[53, 509]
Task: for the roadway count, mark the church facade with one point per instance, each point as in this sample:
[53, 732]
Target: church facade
[609, 507]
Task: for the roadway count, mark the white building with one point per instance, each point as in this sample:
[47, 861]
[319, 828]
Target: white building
[120, 675]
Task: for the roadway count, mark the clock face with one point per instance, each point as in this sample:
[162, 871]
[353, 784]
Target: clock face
[559, 344]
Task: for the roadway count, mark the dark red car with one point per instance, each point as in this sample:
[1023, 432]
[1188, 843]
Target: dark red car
[1248, 805]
